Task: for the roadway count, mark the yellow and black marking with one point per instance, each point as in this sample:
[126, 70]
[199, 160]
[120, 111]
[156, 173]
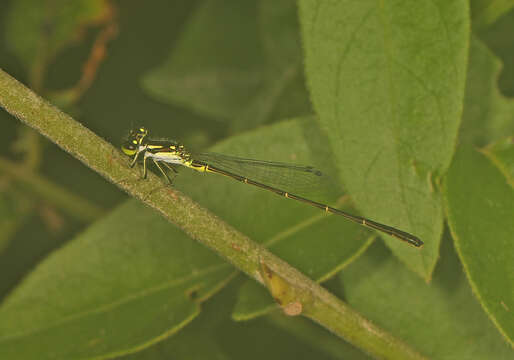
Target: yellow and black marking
[169, 153]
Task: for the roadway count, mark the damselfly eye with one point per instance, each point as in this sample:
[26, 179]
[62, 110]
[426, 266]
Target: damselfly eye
[142, 131]
[129, 147]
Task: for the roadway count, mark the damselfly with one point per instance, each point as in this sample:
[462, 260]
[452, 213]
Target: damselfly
[165, 153]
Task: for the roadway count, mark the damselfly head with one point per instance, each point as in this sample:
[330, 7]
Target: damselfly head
[138, 134]
[135, 139]
[141, 132]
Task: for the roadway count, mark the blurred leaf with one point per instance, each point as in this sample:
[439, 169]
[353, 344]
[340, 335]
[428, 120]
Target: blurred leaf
[442, 320]
[258, 340]
[185, 344]
[220, 338]
[501, 153]
[235, 61]
[252, 301]
[316, 336]
[191, 344]
[294, 100]
[488, 115]
[216, 66]
[41, 187]
[14, 210]
[317, 244]
[279, 32]
[283, 94]
[498, 38]
[124, 284]
[387, 81]
[28, 246]
[38, 30]
[486, 12]
[479, 204]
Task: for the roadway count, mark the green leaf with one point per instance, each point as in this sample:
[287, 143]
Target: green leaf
[486, 12]
[479, 204]
[215, 68]
[498, 38]
[501, 153]
[311, 334]
[279, 32]
[252, 301]
[276, 337]
[202, 330]
[488, 115]
[442, 320]
[236, 61]
[38, 30]
[283, 94]
[127, 282]
[310, 240]
[387, 81]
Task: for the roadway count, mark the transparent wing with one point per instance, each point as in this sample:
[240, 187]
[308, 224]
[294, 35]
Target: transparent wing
[296, 179]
